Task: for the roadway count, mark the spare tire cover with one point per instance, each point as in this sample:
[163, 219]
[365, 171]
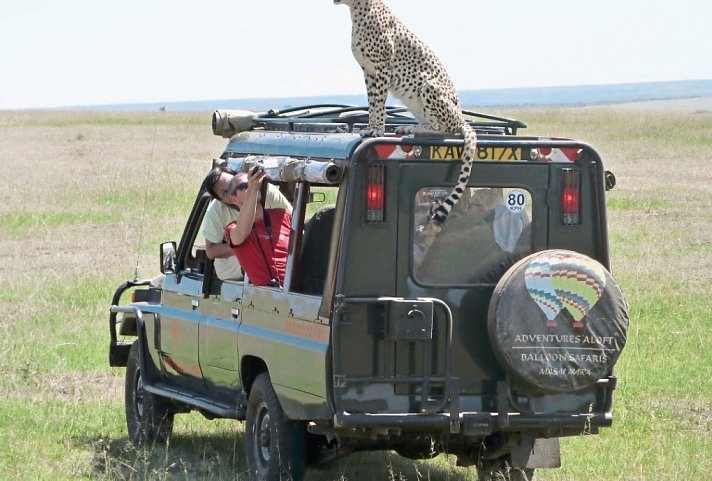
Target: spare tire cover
[557, 321]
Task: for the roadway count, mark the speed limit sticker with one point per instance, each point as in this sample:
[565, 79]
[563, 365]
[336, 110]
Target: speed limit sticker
[516, 201]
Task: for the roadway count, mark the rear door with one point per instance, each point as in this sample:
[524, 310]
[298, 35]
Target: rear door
[501, 218]
[219, 359]
[281, 326]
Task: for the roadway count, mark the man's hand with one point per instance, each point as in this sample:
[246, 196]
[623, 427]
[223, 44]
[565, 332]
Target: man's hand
[218, 251]
[254, 179]
[249, 208]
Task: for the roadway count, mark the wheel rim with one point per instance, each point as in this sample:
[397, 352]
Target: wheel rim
[263, 437]
[139, 393]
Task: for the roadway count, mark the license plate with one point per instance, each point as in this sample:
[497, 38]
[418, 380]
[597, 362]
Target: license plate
[451, 152]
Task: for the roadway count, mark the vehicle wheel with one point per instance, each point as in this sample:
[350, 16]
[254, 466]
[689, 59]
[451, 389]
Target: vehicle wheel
[148, 417]
[501, 470]
[275, 447]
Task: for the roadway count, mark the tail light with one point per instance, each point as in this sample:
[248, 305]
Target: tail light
[376, 194]
[571, 197]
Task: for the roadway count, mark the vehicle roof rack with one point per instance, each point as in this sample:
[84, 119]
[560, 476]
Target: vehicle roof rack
[351, 118]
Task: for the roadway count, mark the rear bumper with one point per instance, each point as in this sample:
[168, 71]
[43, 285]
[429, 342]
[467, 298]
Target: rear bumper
[480, 424]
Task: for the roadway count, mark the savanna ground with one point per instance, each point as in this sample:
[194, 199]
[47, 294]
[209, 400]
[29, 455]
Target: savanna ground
[85, 198]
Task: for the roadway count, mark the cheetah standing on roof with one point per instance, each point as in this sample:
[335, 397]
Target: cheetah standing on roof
[394, 59]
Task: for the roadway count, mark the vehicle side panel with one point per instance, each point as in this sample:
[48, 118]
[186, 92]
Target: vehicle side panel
[179, 324]
[218, 353]
[285, 331]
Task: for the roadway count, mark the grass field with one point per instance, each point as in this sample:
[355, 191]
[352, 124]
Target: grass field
[85, 198]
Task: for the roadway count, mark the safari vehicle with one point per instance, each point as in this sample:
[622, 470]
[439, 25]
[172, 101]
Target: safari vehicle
[489, 339]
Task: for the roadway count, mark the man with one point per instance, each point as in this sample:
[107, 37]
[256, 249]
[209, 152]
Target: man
[260, 236]
[227, 188]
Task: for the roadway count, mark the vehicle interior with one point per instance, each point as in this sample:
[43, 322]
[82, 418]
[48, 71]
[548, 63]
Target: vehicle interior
[313, 220]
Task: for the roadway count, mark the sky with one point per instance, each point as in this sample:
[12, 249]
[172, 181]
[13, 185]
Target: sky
[56, 53]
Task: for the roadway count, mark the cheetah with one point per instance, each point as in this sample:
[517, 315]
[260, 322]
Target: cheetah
[394, 59]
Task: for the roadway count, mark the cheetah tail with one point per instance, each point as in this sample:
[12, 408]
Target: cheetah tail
[443, 210]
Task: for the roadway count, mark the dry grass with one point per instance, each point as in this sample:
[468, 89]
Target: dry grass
[85, 198]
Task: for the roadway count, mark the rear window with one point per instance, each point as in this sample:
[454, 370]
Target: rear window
[487, 232]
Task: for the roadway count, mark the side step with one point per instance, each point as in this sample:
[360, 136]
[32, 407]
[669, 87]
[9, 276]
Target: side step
[218, 409]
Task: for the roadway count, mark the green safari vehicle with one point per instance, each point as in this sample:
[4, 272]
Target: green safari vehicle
[489, 339]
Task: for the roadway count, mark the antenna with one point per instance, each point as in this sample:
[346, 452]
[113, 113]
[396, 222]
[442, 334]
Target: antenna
[143, 204]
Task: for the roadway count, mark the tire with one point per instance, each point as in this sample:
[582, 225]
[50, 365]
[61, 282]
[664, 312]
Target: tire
[275, 447]
[149, 418]
[501, 470]
[557, 322]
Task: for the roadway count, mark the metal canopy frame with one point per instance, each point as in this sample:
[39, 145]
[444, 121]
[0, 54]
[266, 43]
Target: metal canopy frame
[351, 118]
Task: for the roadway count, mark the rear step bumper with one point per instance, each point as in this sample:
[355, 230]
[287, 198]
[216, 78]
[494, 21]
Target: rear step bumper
[475, 423]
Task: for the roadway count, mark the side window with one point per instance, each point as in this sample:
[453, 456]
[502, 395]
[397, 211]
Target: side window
[195, 259]
[486, 233]
[321, 197]
[316, 241]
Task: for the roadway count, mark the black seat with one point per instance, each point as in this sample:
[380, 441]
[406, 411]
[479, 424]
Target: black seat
[315, 251]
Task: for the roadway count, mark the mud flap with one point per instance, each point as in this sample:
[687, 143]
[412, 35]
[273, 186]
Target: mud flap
[537, 453]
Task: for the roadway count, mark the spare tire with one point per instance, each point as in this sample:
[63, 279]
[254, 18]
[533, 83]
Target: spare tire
[557, 321]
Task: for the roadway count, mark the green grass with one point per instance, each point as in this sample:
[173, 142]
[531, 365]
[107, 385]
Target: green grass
[130, 179]
[171, 202]
[62, 332]
[25, 223]
[636, 205]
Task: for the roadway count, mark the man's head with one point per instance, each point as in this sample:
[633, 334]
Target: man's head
[226, 185]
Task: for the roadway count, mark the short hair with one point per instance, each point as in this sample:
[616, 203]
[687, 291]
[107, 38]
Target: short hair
[212, 178]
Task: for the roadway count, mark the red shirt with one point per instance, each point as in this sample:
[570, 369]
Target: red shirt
[263, 256]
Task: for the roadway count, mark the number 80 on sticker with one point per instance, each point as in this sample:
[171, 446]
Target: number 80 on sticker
[516, 201]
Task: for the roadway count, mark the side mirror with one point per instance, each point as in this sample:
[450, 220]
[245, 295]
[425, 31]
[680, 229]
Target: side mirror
[168, 257]
[610, 180]
[316, 197]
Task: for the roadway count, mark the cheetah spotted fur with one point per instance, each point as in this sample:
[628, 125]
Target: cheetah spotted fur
[395, 60]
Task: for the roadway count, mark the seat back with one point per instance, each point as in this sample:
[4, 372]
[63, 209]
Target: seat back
[315, 251]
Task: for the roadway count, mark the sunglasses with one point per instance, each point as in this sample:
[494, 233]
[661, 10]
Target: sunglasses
[233, 188]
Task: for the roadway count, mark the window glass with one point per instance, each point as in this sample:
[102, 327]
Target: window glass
[196, 258]
[486, 232]
[321, 196]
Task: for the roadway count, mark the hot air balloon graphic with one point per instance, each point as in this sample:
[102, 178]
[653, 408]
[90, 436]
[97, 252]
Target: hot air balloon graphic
[579, 283]
[538, 279]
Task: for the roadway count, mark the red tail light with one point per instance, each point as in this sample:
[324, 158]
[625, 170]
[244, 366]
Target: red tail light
[376, 194]
[571, 197]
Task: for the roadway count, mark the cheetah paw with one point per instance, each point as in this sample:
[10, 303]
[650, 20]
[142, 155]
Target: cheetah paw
[405, 130]
[369, 132]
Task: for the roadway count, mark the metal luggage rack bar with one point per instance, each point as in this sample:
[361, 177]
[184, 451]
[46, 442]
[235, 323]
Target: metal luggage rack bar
[351, 118]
